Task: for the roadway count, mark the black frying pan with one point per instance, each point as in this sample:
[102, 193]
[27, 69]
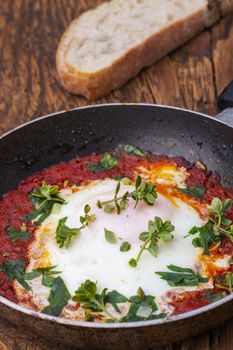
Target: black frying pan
[162, 130]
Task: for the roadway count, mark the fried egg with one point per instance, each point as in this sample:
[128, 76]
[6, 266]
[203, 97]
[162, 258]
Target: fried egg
[91, 256]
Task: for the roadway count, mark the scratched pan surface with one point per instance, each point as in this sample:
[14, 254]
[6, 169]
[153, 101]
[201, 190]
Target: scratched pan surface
[162, 130]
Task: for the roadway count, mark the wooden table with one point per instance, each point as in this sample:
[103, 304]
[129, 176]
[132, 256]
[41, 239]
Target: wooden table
[191, 77]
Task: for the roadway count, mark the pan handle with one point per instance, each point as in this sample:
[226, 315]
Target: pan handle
[225, 105]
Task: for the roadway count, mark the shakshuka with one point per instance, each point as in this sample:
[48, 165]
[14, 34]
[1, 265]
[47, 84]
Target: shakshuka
[117, 237]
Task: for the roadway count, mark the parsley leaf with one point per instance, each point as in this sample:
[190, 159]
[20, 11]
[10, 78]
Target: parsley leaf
[115, 298]
[109, 161]
[157, 230]
[194, 191]
[44, 199]
[16, 234]
[46, 273]
[64, 234]
[110, 236]
[206, 236]
[134, 150]
[58, 298]
[143, 307]
[181, 277]
[15, 269]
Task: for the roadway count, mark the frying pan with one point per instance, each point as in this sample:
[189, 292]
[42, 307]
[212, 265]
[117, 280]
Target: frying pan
[160, 129]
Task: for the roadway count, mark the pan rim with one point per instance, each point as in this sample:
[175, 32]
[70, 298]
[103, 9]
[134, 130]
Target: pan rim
[137, 324]
[37, 119]
[117, 325]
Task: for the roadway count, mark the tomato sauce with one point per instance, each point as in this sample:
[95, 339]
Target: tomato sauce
[16, 203]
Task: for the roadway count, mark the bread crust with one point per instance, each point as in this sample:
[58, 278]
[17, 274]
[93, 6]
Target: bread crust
[97, 84]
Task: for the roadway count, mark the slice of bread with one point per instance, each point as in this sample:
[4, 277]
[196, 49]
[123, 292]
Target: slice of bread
[105, 47]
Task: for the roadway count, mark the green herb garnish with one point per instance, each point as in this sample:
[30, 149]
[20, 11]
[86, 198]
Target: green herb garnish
[143, 307]
[134, 150]
[87, 294]
[218, 211]
[15, 270]
[227, 282]
[125, 247]
[181, 277]
[212, 297]
[216, 227]
[194, 191]
[64, 234]
[58, 298]
[206, 237]
[157, 230]
[110, 236]
[17, 234]
[47, 274]
[44, 199]
[144, 191]
[109, 161]
[115, 298]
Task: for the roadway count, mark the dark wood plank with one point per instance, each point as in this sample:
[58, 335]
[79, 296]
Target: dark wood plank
[190, 77]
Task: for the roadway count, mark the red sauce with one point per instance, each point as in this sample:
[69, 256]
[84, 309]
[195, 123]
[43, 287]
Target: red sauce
[187, 301]
[16, 204]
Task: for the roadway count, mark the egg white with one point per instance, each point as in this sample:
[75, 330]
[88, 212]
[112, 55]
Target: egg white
[90, 256]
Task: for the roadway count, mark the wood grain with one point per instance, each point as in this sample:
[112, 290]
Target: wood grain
[190, 77]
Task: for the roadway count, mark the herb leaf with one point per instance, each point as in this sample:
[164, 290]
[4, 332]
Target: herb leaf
[58, 298]
[87, 294]
[182, 277]
[46, 273]
[15, 269]
[110, 236]
[194, 191]
[109, 161]
[16, 234]
[125, 247]
[219, 210]
[206, 236]
[44, 199]
[226, 282]
[142, 308]
[134, 150]
[212, 297]
[64, 234]
[144, 191]
[115, 298]
[229, 281]
[157, 230]
[216, 227]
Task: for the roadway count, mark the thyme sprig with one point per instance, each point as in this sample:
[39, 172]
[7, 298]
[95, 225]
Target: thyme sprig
[142, 307]
[144, 191]
[218, 211]
[157, 230]
[217, 226]
[64, 234]
[87, 294]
